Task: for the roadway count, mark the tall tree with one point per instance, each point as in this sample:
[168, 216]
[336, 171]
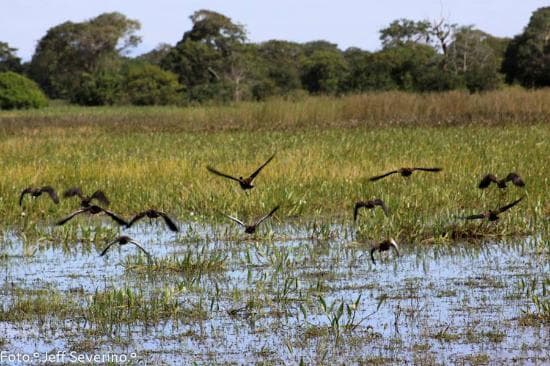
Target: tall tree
[156, 55]
[473, 57]
[70, 50]
[324, 72]
[8, 59]
[207, 58]
[282, 61]
[527, 58]
[404, 31]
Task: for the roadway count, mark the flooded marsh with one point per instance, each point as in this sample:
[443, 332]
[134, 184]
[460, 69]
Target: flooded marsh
[303, 289]
[276, 299]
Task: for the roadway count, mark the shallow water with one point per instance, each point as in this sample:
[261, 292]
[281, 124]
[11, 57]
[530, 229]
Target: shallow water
[436, 304]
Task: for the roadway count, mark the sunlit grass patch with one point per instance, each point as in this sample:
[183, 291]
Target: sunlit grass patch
[128, 305]
[191, 263]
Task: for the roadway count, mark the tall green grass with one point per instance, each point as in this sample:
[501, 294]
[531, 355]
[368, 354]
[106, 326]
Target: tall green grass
[327, 148]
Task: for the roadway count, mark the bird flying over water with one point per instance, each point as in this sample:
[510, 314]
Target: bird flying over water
[245, 183]
[492, 215]
[251, 228]
[123, 240]
[369, 204]
[93, 210]
[153, 214]
[405, 172]
[36, 192]
[86, 200]
[490, 178]
[384, 246]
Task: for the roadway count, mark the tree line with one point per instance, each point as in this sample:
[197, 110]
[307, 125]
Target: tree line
[87, 63]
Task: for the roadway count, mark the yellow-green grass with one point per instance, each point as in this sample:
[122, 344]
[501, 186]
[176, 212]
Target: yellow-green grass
[156, 157]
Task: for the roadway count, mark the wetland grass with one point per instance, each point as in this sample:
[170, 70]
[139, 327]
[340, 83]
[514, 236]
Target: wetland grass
[190, 263]
[316, 175]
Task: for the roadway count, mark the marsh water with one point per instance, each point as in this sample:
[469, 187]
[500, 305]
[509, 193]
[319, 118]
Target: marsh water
[277, 299]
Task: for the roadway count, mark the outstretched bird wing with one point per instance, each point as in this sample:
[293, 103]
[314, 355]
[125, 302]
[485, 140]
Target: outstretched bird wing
[115, 217]
[77, 212]
[257, 171]
[23, 193]
[379, 202]
[486, 181]
[217, 172]
[473, 217]
[429, 169]
[515, 178]
[358, 205]
[108, 247]
[372, 250]
[263, 218]
[393, 243]
[140, 247]
[373, 179]
[100, 196]
[49, 190]
[136, 218]
[509, 206]
[236, 220]
[74, 191]
[169, 222]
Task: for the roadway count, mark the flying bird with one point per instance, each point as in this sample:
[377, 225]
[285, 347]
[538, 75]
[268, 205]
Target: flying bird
[405, 172]
[492, 215]
[92, 210]
[86, 200]
[251, 228]
[384, 246]
[123, 240]
[153, 214]
[490, 178]
[369, 204]
[245, 183]
[36, 192]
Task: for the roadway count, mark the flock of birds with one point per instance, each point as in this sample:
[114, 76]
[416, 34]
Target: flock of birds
[246, 183]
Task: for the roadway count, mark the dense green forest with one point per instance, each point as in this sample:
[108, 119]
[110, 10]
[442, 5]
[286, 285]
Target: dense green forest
[86, 63]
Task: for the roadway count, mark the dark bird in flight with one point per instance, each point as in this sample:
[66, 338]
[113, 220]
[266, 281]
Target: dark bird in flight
[490, 178]
[93, 210]
[35, 192]
[492, 215]
[369, 204]
[123, 240]
[153, 214]
[86, 200]
[245, 183]
[251, 228]
[405, 172]
[384, 246]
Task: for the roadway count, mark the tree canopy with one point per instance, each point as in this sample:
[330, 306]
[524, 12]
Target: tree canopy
[8, 59]
[527, 58]
[70, 50]
[88, 62]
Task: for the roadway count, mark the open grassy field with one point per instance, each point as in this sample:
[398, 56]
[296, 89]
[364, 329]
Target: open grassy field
[304, 289]
[326, 151]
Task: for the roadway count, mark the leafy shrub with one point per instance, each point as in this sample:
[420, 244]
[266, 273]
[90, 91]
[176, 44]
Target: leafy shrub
[100, 88]
[18, 91]
[148, 84]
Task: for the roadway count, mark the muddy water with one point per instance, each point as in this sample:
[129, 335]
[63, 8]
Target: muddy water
[436, 304]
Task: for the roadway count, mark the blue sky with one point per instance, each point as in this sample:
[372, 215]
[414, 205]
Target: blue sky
[345, 22]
